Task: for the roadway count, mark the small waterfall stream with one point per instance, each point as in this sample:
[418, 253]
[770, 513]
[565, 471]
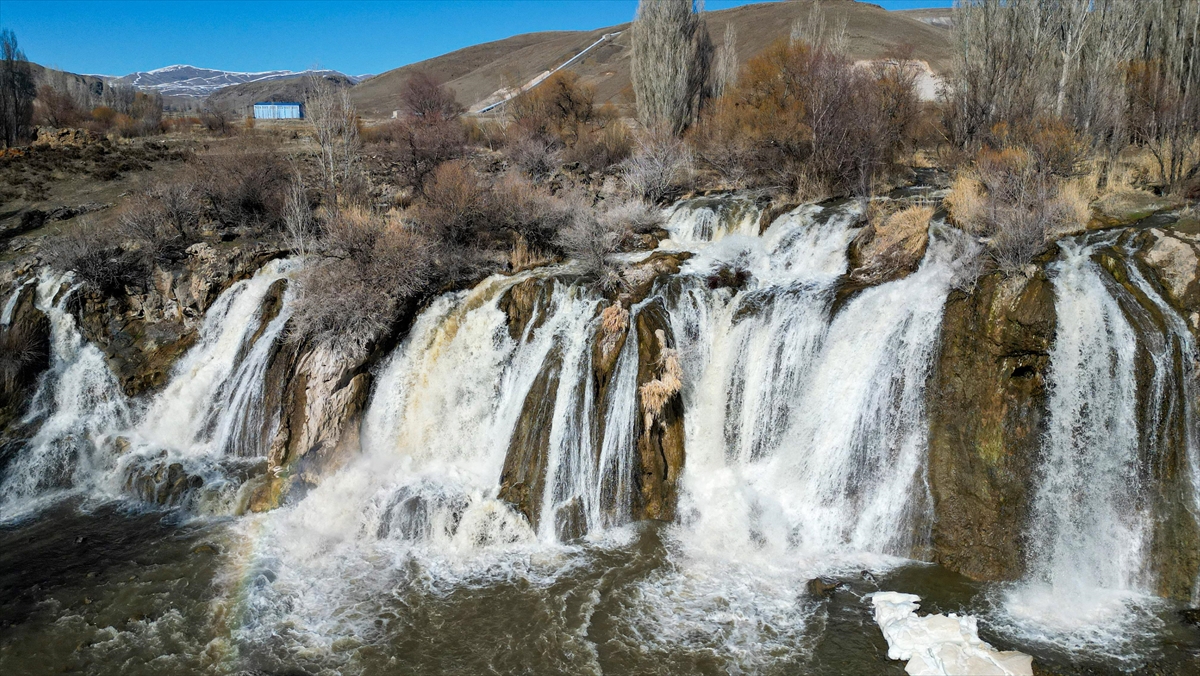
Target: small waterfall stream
[1121, 394]
[79, 404]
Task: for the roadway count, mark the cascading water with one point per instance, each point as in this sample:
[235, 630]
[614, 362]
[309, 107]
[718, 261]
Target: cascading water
[1089, 584]
[210, 410]
[79, 405]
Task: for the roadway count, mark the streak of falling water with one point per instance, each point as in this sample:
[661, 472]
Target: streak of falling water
[78, 404]
[1088, 577]
[212, 405]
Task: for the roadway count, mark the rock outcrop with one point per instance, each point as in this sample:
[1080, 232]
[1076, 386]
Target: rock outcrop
[987, 414]
[145, 332]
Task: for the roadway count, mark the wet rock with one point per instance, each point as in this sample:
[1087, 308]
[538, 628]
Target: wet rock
[24, 355]
[639, 278]
[659, 429]
[987, 410]
[1190, 616]
[523, 479]
[145, 332]
[526, 305]
[1128, 207]
[1174, 259]
[822, 588]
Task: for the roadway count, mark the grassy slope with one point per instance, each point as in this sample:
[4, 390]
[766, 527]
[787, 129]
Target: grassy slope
[477, 71]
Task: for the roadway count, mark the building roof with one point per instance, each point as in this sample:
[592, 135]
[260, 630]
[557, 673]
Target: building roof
[278, 103]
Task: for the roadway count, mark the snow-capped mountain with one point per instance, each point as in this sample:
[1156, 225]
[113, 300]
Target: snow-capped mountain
[184, 80]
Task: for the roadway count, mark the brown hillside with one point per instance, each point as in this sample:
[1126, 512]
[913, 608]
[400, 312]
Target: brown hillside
[477, 72]
[240, 99]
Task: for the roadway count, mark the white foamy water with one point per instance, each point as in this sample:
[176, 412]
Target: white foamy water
[78, 403]
[1089, 585]
[212, 404]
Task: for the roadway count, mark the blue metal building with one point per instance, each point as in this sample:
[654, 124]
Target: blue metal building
[278, 110]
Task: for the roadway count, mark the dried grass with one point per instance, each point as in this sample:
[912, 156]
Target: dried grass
[965, 203]
[614, 320]
[656, 393]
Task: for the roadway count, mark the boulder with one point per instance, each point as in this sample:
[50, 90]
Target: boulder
[892, 248]
[1128, 207]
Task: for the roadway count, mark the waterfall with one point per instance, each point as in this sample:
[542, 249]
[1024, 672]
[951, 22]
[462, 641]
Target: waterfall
[808, 429]
[1089, 584]
[213, 403]
[78, 403]
[706, 219]
[805, 432]
[92, 440]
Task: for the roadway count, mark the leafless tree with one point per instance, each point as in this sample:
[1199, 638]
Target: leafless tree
[818, 32]
[426, 98]
[334, 122]
[725, 68]
[17, 91]
[661, 164]
[297, 216]
[672, 54]
[217, 118]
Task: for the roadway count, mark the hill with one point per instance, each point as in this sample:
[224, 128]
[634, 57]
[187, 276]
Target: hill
[478, 72]
[241, 98]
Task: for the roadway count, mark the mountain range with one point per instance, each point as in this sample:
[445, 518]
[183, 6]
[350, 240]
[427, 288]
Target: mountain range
[191, 81]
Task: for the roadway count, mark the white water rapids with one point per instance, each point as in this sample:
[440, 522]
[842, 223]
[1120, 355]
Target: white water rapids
[805, 434]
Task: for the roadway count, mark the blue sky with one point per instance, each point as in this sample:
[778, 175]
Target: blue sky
[116, 38]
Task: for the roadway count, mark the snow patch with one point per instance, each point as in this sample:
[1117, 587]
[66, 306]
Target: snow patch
[939, 645]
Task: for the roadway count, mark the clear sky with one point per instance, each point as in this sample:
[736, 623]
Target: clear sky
[117, 38]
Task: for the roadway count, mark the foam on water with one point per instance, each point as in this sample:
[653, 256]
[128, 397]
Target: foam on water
[1089, 587]
[78, 404]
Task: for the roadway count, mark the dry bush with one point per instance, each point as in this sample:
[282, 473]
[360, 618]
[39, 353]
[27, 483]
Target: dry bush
[804, 116]
[455, 204]
[430, 133]
[20, 349]
[662, 165]
[600, 148]
[98, 257]
[426, 98]
[614, 319]
[635, 216]
[558, 121]
[243, 185]
[163, 221]
[529, 212]
[368, 267]
[655, 394]
[965, 203]
[536, 155]
[56, 108]
[489, 134]
[416, 147]
[217, 119]
[591, 238]
[1022, 205]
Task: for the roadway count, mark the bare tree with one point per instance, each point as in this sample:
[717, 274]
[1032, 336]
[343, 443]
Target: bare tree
[672, 53]
[725, 68]
[17, 90]
[297, 215]
[818, 32]
[335, 126]
[426, 98]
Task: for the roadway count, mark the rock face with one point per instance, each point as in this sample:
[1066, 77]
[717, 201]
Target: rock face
[144, 333]
[660, 433]
[987, 417]
[24, 354]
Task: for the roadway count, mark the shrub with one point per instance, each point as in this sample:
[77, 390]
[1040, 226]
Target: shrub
[243, 185]
[98, 258]
[416, 147]
[536, 155]
[368, 267]
[592, 237]
[455, 204]
[163, 221]
[661, 166]
[425, 98]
